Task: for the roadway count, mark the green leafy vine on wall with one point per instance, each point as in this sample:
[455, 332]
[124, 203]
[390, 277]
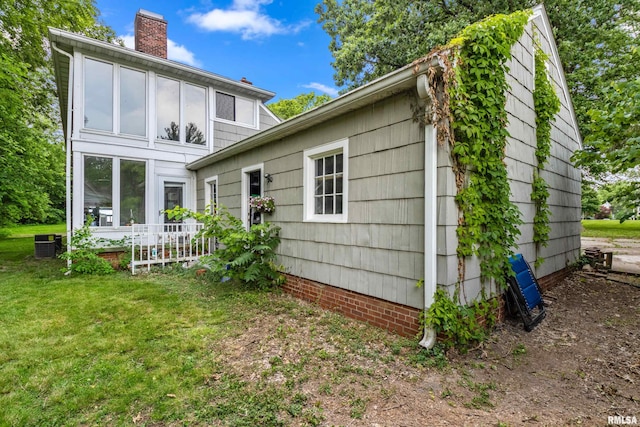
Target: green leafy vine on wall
[547, 105]
[488, 225]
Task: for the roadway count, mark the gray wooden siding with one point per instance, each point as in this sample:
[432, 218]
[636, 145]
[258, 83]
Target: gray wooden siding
[226, 134]
[379, 252]
[561, 176]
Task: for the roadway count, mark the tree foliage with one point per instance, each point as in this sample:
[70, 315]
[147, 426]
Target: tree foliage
[590, 200]
[624, 197]
[31, 153]
[287, 108]
[613, 142]
[596, 39]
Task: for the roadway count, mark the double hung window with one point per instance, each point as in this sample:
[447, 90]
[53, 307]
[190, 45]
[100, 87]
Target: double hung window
[325, 185]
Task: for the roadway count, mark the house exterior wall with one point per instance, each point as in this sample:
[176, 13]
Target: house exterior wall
[379, 250]
[561, 176]
[165, 160]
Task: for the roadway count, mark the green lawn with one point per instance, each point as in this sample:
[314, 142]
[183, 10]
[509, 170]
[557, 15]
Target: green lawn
[124, 350]
[30, 230]
[611, 229]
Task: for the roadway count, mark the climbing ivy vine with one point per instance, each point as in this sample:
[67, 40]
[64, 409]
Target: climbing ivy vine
[547, 105]
[488, 225]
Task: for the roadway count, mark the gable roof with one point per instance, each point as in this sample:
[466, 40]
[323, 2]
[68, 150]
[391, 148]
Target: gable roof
[69, 42]
[385, 86]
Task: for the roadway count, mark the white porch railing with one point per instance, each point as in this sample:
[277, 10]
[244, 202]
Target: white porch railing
[167, 243]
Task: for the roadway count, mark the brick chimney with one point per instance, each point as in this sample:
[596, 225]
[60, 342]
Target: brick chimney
[151, 33]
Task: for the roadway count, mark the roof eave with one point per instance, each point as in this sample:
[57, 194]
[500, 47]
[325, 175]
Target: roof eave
[388, 85]
[71, 41]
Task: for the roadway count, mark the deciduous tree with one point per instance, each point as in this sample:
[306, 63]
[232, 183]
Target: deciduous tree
[287, 108]
[31, 153]
[596, 39]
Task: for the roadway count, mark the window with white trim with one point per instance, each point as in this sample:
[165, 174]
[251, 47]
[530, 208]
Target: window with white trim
[326, 182]
[181, 111]
[235, 109]
[106, 204]
[211, 194]
[102, 82]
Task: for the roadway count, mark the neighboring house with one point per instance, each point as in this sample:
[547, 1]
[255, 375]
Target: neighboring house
[365, 195]
[132, 121]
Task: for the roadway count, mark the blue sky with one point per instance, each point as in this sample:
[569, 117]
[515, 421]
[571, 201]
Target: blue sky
[276, 44]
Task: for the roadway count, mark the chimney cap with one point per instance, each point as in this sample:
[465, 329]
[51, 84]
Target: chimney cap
[150, 14]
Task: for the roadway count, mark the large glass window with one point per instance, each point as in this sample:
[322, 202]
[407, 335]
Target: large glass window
[235, 109]
[101, 204]
[132, 191]
[168, 109]
[325, 182]
[98, 95]
[98, 191]
[195, 111]
[133, 102]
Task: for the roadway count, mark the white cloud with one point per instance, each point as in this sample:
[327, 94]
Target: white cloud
[178, 52]
[244, 17]
[331, 91]
[175, 52]
[129, 41]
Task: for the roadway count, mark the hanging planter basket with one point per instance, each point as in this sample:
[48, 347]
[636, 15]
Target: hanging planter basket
[264, 205]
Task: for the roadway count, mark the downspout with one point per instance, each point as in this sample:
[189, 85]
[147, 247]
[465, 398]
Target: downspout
[430, 211]
[68, 206]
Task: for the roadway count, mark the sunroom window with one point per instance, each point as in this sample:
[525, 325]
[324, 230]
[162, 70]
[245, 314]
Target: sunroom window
[106, 204]
[98, 95]
[191, 128]
[133, 102]
[101, 105]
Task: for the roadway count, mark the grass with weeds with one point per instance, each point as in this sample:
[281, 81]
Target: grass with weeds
[155, 348]
[611, 229]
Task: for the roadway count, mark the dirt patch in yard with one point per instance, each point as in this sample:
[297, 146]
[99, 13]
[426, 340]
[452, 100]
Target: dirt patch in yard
[579, 366]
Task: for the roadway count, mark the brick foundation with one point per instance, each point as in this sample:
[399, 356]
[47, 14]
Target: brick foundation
[384, 314]
[551, 280]
[114, 258]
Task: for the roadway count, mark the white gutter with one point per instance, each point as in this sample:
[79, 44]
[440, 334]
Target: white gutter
[430, 212]
[68, 147]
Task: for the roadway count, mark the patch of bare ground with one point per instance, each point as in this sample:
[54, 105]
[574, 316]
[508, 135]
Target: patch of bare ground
[579, 366]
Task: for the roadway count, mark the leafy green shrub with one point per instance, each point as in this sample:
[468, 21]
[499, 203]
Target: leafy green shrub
[84, 253]
[244, 255]
[458, 325]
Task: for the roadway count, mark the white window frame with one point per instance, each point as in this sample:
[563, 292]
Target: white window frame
[115, 188]
[207, 193]
[244, 191]
[182, 115]
[256, 116]
[310, 155]
[115, 99]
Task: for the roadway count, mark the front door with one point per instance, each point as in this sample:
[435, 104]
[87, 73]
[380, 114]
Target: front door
[173, 196]
[251, 187]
